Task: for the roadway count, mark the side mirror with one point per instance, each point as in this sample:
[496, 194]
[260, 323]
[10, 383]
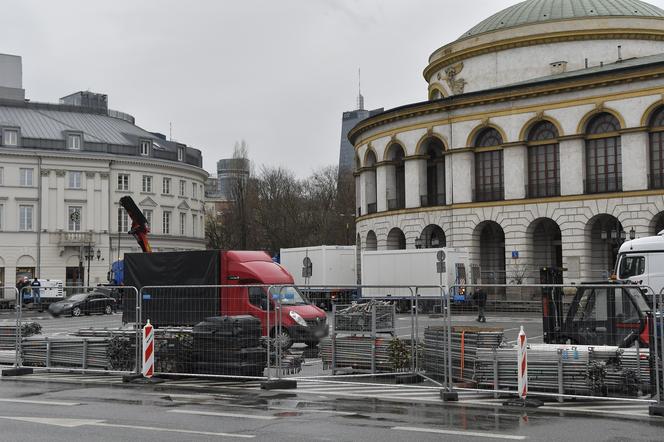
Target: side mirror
[264, 305]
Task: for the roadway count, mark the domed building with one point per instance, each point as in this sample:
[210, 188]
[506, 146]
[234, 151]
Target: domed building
[541, 143]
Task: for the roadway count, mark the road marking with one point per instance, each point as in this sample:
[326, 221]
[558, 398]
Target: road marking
[220, 414]
[460, 433]
[28, 401]
[73, 423]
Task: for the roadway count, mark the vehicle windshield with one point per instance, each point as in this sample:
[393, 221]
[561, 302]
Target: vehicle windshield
[631, 266]
[78, 297]
[289, 295]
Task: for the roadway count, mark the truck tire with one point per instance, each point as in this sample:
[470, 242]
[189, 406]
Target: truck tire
[284, 339]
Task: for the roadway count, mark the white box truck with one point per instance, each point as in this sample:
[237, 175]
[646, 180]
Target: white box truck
[323, 273]
[642, 261]
[418, 267]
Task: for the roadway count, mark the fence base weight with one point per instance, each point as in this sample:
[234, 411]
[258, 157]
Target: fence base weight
[523, 403]
[408, 379]
[449, 396]
[279, 384]
[19, 371]
[656, 410]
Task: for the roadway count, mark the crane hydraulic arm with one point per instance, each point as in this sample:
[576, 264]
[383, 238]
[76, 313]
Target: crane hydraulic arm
[139, 224]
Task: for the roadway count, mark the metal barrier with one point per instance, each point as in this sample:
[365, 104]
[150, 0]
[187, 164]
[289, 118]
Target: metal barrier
[658, 337]
[597, 349]
[199, 332]
[81, 350]
[10, 333]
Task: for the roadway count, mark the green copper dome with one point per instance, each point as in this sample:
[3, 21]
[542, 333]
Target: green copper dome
[537, 11]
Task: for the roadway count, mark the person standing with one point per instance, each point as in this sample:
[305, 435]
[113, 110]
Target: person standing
[480, 300]
[36, 288]
[21, 285]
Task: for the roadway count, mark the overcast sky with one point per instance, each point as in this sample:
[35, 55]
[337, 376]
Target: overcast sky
[277, 74]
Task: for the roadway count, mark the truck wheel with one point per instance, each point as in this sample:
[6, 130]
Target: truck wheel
[76, 311]
[402, 307]
[282, 339]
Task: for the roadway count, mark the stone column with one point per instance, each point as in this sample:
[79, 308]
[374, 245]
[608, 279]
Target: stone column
[416, 181]
[385, 185]
[515, 163]
[572, 166]
[463, 174]
[358, 195]
[45, 200]
[368, 185]
[635, 167]
[60, 200]
[104, 203]
[91, 220]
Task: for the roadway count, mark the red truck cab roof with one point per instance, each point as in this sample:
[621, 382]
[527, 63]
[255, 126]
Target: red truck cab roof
[256, 266]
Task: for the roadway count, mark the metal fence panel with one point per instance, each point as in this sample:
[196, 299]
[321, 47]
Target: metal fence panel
[589, 340]
[10, 331]
[60, 337]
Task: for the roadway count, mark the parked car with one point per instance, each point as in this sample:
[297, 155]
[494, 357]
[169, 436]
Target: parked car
[84, 303]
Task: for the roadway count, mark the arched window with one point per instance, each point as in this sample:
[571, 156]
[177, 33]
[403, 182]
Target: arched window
[603, 155]
[435, 196]
[370, 189]
[543, 160]
[371, 244]
[396, 240]
[396, 178]
[656, 180]
[489, 167]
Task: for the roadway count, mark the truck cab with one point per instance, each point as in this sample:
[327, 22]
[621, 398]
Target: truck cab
[641, 261]
[302, 322]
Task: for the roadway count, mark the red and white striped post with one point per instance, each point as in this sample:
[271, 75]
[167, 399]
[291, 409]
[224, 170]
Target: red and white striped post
[523, 364]
[148, 350]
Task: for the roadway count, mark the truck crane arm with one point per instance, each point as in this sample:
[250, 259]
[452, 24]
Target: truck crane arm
[139, 224]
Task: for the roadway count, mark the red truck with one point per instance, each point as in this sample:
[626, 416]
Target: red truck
[301, 321]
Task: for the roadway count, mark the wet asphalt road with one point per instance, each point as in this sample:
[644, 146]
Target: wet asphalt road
[57, 412]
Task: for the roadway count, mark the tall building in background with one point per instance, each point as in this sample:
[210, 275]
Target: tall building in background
[230, 172]
[349, 120]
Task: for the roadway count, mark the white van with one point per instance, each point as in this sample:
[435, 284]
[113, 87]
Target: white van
[642, 262]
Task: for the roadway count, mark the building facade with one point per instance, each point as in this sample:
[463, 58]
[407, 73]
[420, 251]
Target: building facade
[541, 143]
[64, 168]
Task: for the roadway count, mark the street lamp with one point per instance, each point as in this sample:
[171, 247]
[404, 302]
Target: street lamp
[632, 234]
[89, 255]
[418, 243]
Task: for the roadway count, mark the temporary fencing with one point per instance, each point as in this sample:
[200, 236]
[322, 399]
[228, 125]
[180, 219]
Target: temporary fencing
[585, 341]
[10, 329]
[47, 328]
[590, 341]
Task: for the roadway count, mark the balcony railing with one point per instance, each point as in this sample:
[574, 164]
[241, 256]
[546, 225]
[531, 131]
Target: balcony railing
[656, 181]
[603, 184]
[490, 194]
[372, 208]
[75, 239]
[543, 189]
[432, 200]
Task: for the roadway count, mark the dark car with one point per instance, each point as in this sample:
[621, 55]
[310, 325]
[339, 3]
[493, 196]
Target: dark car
[84, 303]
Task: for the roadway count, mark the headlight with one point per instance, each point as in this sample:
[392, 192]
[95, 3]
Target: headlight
[297, 318]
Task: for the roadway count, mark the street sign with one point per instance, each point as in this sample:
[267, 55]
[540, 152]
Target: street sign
[441, 255]
[515, 254]
[307, 267]
[441, 267]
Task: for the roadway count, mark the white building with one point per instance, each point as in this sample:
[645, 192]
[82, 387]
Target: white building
[64, 168]
[541, 144]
